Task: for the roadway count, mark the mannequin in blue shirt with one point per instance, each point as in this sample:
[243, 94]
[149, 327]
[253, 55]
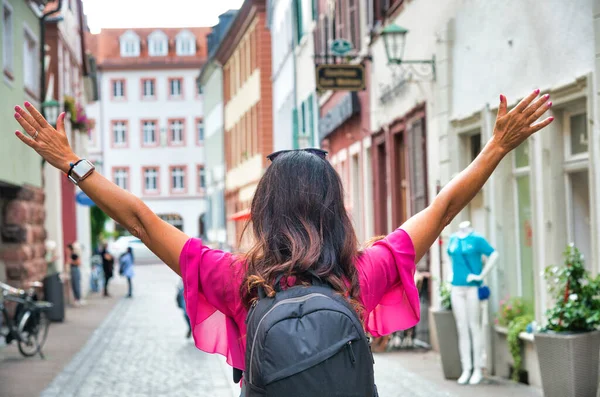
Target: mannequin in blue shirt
[466, 250]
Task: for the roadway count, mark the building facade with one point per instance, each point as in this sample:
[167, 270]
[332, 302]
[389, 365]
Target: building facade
[149, 129]
[211, 82]
[21, 194]
[344, 116]
[67, 80]
[245, 54]
[295, 117]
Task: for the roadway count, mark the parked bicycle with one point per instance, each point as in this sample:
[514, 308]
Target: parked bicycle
[29, 324]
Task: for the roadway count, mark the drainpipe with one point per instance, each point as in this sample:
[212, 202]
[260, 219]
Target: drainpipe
[43, 21]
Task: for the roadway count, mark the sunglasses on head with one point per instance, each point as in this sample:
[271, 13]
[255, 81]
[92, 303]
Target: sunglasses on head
[317, 152]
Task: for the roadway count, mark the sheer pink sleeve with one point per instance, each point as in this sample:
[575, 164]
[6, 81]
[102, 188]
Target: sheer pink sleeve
[212, 279]
[388, 292]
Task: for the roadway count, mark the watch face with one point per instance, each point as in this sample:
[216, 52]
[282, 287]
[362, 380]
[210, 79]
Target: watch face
[82, 168]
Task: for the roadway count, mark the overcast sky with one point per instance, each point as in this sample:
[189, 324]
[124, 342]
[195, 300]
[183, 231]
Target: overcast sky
[155, 13]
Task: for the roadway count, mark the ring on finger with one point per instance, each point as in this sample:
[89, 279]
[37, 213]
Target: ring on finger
[36, 134]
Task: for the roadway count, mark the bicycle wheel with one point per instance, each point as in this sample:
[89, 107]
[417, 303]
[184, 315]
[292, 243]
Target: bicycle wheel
[34, 334]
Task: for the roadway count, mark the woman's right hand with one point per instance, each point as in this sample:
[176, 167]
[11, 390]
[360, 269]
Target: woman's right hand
[50, 143]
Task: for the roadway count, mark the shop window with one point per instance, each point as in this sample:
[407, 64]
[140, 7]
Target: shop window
[577, 181]
[524, 215]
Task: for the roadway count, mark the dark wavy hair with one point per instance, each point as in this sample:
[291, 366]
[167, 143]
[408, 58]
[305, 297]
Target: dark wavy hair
[301, 228]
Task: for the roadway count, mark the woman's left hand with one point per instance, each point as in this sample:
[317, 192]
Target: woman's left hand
[512, 128]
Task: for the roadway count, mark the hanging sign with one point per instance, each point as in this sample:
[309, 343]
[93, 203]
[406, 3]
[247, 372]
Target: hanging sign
[340, 47]
[340, 77]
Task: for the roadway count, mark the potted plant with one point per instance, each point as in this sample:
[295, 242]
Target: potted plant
[447, 335]
[79, 119]
[515, 345]
[568, 346]
[513, 318]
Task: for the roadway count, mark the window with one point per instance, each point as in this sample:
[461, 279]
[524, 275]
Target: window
[186, 43]
[178, 179]
[176, 88]
[577, 181]
[149, 133]
[176, 132]
[524, 214]
[201, 178]
[150, 175]
[158, 44]
[200, 131]
[119, 133]
[30, 62]
[130, 44]
[121, 177]
[8, 41]
[303, 123]
[148, 89]
[118, 89]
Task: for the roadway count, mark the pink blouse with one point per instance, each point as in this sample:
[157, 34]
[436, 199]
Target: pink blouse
[212, 281]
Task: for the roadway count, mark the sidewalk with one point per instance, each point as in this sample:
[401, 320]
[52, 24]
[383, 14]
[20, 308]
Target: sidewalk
[420, 374]
[20, 376]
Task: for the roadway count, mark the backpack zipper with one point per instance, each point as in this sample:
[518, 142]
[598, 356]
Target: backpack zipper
[349, 348]
[289, 300]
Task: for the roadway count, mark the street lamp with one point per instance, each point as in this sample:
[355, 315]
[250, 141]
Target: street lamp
[51, 111]
[394, 39]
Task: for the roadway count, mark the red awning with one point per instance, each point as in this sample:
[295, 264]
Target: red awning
[241, 215]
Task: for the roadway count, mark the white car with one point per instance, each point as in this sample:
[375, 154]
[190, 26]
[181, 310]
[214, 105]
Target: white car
[141, 253]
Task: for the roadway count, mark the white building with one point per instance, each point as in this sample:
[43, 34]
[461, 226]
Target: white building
[149, 133]
[295, 111]
[545, 194]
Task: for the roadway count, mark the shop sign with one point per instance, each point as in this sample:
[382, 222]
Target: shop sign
[340, 77]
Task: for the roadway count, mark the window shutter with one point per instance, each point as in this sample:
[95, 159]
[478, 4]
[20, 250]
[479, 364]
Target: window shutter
[299, 27]
[295, 127]
[311, 119]
[418, 180]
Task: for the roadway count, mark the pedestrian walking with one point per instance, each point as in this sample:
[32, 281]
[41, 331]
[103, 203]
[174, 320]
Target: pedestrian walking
[108, 265]
[126, 269]
[181, 303]
[290, 315]
[51, 257]
[74, 260]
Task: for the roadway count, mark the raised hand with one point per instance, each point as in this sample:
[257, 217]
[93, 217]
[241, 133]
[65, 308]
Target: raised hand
[513, 127]
[49, 142]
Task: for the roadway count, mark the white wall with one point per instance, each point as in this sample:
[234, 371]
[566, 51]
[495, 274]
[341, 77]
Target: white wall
[305, 65]
[283, 74]
[189, 205]
[535, 47]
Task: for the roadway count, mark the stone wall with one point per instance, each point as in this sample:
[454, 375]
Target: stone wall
[23, 235]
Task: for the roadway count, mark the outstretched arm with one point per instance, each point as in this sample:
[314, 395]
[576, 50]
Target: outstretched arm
[511, 129]
[163, 239]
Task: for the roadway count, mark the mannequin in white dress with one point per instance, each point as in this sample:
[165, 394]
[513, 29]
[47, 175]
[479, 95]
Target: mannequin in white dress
[466, 249]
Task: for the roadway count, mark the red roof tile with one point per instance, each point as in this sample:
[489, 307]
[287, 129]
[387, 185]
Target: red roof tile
[105, 46]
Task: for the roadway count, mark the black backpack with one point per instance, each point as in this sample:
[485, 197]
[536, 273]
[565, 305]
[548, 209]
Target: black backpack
[307, 341]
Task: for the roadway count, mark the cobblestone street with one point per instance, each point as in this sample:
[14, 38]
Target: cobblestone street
[141, 350]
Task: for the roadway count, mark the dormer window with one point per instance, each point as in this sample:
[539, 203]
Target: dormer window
[130, 44]
[158, 44]
[186, 43]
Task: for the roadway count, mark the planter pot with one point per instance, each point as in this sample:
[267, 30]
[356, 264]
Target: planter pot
[447, 336]
[569, 363]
